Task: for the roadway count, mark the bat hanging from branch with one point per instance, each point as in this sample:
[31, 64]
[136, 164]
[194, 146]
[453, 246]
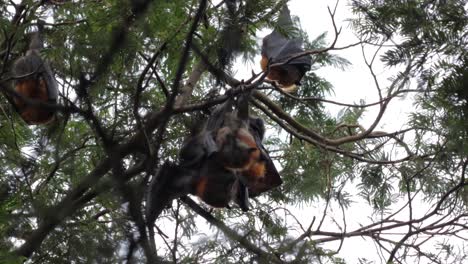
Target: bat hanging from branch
[34, 80]
[278, 48]
[238, 137]
[224, 162]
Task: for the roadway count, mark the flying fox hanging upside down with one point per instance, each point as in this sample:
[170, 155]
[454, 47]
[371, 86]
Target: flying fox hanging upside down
[34, 80]
[233, 151]
[224, 162]
[200, 171]
[277, 48]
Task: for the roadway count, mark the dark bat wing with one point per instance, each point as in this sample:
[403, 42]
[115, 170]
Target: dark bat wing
[242, 194]
[215, 183]
[243, 106]
[257, 127]
[52, 89]
[172, 181]
[217, 117]
[277, 47]
[197, 148]
[272, 178]
[163, 188]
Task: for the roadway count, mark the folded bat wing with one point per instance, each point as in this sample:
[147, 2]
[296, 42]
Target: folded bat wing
[162, 189]
[272, 178]
[32, 65]
[51, 83]
[197, 148]
[277, 47]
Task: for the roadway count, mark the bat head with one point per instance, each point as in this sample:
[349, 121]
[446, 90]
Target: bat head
[236, 148]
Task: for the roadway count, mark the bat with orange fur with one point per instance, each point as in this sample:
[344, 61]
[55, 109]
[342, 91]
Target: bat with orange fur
[224, 162]
[241, 150]
[34, 80]
[278, 48]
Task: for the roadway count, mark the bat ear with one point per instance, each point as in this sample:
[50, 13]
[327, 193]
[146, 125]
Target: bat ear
[242, 195]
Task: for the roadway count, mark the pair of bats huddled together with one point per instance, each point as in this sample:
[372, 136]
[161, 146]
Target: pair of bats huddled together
[225, 161]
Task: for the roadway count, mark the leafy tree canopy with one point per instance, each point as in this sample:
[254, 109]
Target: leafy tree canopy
[136, 77]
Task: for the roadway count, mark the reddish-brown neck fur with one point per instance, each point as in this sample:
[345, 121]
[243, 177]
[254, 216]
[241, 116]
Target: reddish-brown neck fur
[37, 90]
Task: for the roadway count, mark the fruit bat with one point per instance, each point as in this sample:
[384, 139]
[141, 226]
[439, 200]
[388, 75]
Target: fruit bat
[240, 136]
[277, 48]
[223, 162]
[34, 79]
[199, 172]
[218, 153]
[259, 174]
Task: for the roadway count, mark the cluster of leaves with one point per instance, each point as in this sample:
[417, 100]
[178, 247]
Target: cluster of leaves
[433, 35]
